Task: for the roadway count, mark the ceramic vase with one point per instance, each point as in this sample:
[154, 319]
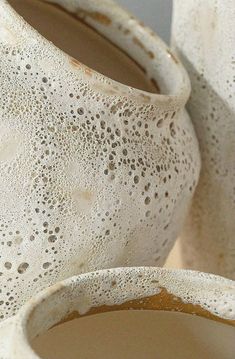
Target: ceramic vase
[194, 293]
[93, 173]
[204, 37]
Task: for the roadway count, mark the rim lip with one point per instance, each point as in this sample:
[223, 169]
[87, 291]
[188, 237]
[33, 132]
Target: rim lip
[183, 91]
[20, 335]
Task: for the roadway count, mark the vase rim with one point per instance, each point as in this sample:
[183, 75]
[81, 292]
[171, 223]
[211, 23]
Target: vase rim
[166, 59]
[185, 291]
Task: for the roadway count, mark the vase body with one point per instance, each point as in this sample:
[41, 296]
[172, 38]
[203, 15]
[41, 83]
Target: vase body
[204, 37]
[118, 289]
[93, 174]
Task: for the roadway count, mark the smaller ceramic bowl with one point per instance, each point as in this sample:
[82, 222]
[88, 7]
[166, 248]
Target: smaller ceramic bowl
[157, 289]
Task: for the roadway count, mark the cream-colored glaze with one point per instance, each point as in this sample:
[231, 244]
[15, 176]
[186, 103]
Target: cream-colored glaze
[137, 335]
[204, 37]
[93, 173]
[82, 42]
[158, 289]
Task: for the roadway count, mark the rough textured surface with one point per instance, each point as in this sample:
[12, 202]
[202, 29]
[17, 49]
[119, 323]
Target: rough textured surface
[140, 288]
[204, 37]
[93, 174]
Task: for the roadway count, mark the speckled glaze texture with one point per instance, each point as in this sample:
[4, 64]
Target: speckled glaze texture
[204, 38]
[93, 174]
[190, 292]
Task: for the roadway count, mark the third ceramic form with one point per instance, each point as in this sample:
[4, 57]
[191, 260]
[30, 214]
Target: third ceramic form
[204, 37]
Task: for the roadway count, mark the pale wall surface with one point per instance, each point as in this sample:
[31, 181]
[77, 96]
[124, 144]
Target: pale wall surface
[155, 13]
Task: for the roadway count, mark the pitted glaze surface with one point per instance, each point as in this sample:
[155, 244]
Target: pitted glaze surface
[93, 174]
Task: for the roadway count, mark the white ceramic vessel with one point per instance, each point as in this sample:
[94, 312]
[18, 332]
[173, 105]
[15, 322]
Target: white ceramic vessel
[145, 288]
[93, 173]
[204, 38]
